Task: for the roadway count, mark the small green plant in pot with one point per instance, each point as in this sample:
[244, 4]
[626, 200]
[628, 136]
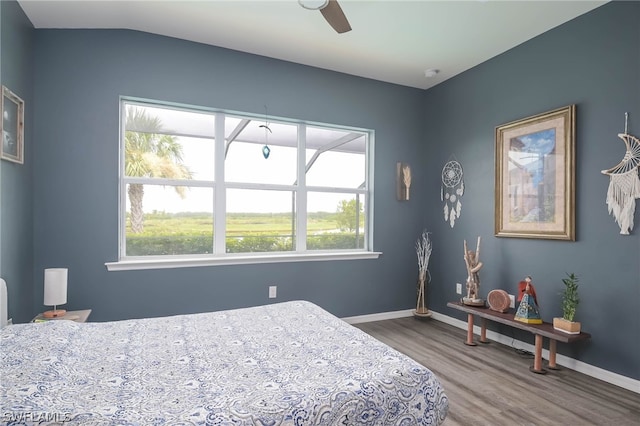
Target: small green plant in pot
[570, 301]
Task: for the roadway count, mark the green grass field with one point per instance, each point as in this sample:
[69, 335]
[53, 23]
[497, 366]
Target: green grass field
[192, 233]
[238, 224]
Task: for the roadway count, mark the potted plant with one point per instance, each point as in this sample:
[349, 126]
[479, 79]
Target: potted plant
[570, 302]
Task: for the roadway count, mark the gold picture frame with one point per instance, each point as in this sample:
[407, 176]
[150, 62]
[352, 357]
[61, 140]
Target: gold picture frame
[535, 176]
[12, 127]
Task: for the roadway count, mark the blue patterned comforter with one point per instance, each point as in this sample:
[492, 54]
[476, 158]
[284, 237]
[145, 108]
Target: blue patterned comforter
[283, 364]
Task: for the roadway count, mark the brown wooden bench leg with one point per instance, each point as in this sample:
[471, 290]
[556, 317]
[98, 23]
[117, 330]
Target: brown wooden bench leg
[483, 331]
[470, 341]
[537, 360]
[552, 355]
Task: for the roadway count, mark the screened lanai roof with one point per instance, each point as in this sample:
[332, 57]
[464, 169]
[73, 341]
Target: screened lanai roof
[202, 125]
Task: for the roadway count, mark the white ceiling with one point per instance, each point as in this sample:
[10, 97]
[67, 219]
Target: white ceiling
[392, 41]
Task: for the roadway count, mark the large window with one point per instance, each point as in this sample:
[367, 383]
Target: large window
[212, 184]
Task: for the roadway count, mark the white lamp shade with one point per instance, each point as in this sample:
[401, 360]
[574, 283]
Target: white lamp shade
[313, 4]
[55, 286]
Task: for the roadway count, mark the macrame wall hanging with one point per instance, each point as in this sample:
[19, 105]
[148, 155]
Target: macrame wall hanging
[624, 183]
[265, 149]
[451, 191]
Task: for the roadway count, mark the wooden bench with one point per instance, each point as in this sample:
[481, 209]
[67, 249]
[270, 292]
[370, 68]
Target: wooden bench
[539, 330]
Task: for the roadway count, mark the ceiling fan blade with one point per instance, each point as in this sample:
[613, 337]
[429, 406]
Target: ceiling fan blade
[334, 15]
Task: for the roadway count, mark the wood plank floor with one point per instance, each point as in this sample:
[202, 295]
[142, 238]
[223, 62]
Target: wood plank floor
[491, 384]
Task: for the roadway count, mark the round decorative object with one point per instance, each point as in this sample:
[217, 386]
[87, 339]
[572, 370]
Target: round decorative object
[498, 300]
[451, 174]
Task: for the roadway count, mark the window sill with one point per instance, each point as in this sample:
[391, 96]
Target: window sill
[190, 262]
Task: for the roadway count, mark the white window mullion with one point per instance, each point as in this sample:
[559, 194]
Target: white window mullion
[369, 153]
[122, 220]
[337, 190]
[220, 193]
[301, 194]
[169, 182]
[259, 186]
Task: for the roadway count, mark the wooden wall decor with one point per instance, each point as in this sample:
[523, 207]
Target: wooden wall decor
[403, 179]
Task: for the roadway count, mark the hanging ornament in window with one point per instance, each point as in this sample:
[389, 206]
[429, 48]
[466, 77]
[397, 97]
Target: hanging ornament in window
[624, 183]
[451, 191]
[265, 149]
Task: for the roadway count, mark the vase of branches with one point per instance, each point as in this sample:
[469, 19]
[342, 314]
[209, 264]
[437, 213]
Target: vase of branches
[423, 252]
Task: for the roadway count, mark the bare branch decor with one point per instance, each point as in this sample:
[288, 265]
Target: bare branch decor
[423, 251]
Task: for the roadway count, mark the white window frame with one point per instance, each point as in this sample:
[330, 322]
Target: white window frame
[219, 186]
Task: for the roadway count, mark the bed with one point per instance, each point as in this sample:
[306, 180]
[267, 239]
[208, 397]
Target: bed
[289, 363]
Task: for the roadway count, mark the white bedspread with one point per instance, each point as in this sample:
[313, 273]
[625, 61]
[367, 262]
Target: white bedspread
[283, 364]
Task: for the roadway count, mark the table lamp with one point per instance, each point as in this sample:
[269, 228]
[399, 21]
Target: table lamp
[55, 291]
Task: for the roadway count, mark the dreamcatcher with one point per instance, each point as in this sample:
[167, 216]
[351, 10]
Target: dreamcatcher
[451, 191]
[624, 183]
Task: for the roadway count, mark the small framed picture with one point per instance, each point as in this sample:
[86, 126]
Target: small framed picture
[12, 127]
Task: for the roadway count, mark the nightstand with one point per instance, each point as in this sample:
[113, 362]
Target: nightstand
[77, 316]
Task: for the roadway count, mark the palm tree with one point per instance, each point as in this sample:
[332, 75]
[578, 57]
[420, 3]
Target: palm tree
[149, 153]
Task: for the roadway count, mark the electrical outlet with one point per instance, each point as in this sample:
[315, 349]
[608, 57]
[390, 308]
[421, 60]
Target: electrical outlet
[458, 288]
[512, 301]
[273, 291]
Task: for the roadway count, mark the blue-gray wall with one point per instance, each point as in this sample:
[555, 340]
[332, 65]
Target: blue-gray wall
[593, 62]
[79, 76]
[16, 181]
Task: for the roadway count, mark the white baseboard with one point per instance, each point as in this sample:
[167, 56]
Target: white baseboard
[567, 362]
[378, 317]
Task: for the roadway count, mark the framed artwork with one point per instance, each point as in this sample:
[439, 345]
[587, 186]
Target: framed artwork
[535, 176]
[12, 127]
